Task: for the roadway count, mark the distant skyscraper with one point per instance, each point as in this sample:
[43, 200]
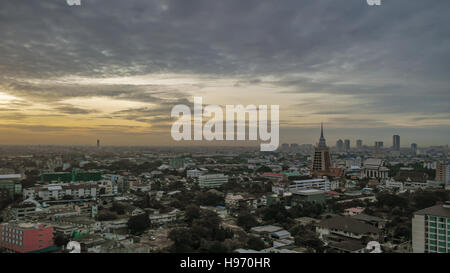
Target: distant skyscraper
[396, 142]
[347, 145]
[321, 162]
[414, 148]
[359, 144]
[285, 147]
[340, 145]
[294, 147]
[378, 146]
[98, 143]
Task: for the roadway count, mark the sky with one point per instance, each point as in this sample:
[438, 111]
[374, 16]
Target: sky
[112, 69]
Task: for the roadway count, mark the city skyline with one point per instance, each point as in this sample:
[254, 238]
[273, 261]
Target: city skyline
[341, 145]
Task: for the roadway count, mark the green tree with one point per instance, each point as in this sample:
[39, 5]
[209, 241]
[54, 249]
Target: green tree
[275, 213]
[183, 240]
[402, 231]
[210, 199]
[60, 240]
[255, 243]
[138, 224]
[246, 221]
[118, 208]
[264, 169]
[192, 212]
[218, 247]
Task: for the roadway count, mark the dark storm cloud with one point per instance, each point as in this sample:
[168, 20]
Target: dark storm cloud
[60, 91]
[255, 36]
[163, 108]
[159, 116]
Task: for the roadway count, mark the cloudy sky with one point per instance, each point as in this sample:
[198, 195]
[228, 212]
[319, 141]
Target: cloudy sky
[113, 69]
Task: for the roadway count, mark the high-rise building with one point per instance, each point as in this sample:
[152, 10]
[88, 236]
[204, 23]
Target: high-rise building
[443, 173]
[396, 142]
[359, 144]
[294, 147]
[10, 185]
[98, 143]
[414, 148]
[430, 233]
[340, 145]
[447, 177]
[378, 147]
[321, 162]
[378, 144]
[285, 147]
[347, 145]
[26, 237]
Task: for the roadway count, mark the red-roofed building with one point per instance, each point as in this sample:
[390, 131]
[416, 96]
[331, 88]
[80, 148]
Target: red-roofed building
[354, 211]
[332, 194]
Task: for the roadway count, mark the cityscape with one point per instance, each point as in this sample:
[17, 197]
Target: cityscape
[211, 127]
[299, 199]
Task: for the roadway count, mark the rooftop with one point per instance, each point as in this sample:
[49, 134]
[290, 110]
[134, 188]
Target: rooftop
[268, 228]
[373, 162]
[348, 224]
[23, 225]
[309, 180]
[348, 245]
[368, 218]
[438, 210]
[10, 176]
[308, 192]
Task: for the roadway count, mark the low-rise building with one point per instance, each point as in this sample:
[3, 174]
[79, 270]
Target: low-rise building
[62, 191]
[275, 176]
[233, 201]
[378, 222]
[309, 195]
[321, 184]
[375, 168]
[212, 180]
[166, 218]
[353, 211]
[194, 173]
[248, 200]
[347, 227]
[281, 234]
[20, 212]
